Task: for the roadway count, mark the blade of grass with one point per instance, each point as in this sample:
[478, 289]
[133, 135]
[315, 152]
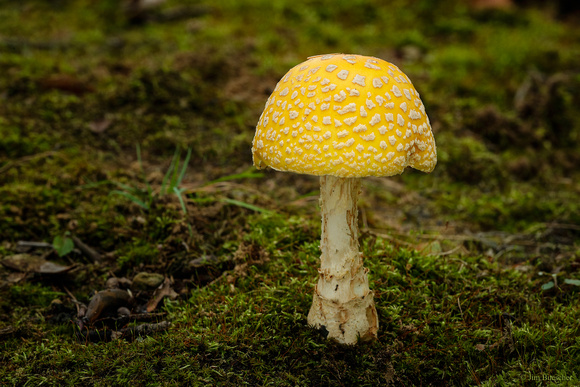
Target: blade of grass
[243, 175]
[168, 174]
[178, 192]
[126, 187]
[184, 168]
[133, 198]
[174, 175]
[308, 195]
[246, 205]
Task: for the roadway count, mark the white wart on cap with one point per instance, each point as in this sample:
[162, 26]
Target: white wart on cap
[345, 116]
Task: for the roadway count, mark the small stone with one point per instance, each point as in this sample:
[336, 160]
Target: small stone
[147, 281]
[118, 283]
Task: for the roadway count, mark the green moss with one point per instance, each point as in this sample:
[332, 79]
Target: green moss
[432, 312]
[28, 294]
[137, 253]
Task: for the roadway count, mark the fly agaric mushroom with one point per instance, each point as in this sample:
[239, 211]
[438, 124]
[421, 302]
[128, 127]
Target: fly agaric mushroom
[343, 117]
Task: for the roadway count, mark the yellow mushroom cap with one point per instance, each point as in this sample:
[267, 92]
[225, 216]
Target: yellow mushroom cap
[345, 116]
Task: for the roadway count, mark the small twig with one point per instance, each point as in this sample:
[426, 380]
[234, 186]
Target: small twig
[460, 310]
[43, 245]
[562, 226]
[449, 252]
[386, 236]
[140, 330]
[74, 299]
[77, 303]
[463, 238]
[222, 275]
[87, 250]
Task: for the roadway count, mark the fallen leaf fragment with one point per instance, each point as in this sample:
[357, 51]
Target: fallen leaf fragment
[163, 291]
[22, 262]
[16, 277]
[100, 126]
[52, 268]
[28, 263]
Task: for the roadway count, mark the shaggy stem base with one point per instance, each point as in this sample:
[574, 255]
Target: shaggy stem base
[343, 305]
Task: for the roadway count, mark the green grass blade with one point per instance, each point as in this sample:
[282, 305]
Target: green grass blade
[308, 195]
[183, 168]
[246, 205]
[243, 175]
[127, 187]
[133, 198]
[177, 192]
[166, 178]
[174, 175]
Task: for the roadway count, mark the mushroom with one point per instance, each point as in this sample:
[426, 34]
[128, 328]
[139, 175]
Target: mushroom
[343, 117]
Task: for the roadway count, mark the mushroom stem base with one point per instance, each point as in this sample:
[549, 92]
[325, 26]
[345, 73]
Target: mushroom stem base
[343, 303]
[345, 322]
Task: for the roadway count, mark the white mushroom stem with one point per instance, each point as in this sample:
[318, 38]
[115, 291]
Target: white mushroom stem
[343, 305]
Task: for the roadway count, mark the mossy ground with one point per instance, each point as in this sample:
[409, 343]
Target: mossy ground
[459, 259]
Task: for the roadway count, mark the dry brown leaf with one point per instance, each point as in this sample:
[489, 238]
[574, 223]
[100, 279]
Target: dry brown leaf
[164, 290]
[100, 126]
[28, 263]
[480, 347]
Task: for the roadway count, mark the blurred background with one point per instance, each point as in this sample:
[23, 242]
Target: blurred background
[87, 81]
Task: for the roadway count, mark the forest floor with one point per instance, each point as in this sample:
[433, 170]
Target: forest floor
[125, 163]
